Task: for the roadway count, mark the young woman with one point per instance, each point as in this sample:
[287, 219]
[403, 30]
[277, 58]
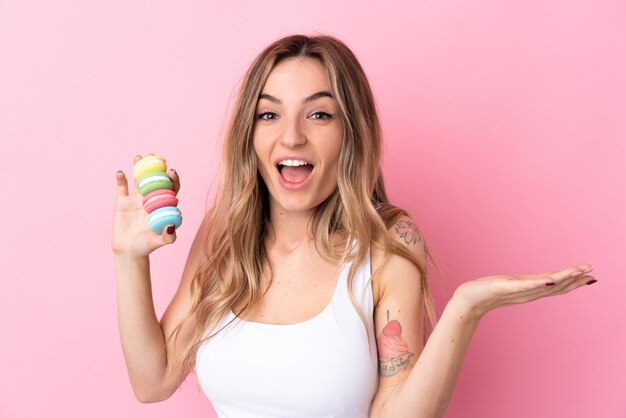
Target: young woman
[305, 290]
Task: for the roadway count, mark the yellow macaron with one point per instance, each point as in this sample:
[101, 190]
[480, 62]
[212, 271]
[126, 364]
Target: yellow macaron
[149, 164]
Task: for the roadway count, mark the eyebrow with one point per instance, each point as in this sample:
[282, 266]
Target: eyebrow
[311, 98]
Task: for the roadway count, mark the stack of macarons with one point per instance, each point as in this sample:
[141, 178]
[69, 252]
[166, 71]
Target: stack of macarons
[159, 199]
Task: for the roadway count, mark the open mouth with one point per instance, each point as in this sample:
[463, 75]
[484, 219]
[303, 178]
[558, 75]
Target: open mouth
[294, 171]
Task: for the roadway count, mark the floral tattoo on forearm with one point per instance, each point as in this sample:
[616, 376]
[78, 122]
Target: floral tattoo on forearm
[409, 232]
[393, 351]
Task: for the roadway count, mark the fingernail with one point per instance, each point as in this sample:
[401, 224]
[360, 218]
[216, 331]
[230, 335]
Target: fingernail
[170, 229]
[592, 281]
[550, 284]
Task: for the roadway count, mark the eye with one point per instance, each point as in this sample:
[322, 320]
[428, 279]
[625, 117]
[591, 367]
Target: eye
[267, 116]
[321, 115]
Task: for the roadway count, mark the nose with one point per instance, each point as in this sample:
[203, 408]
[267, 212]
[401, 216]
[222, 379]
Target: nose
[293, 136]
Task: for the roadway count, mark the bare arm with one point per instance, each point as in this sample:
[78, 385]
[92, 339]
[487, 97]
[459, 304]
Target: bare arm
[141, 334]
[428, 388]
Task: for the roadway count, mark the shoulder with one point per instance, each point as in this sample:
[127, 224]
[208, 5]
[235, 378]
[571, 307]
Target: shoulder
[389, 269]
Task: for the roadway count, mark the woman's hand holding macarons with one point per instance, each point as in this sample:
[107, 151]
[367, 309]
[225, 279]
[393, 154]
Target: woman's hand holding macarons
[147, 218]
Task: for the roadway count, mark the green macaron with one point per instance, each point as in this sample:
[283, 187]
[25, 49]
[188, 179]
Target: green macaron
[155, 180]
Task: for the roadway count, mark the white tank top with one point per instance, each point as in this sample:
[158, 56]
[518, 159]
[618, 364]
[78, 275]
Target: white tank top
[322, 367]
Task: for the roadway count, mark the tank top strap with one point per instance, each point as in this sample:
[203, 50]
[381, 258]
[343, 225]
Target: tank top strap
[361, 290]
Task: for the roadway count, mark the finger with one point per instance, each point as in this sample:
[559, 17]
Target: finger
[168, 235]
[561, 288]
[175, 180]
[569, 273]
[135, 189]
[532, 284]
[122, 183]
[550, 279]
[584, 267]
[575, 284]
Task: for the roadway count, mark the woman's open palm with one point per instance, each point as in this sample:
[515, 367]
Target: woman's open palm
[491, 292]
[131, 232]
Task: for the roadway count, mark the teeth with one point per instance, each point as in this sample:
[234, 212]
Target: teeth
[293, 163]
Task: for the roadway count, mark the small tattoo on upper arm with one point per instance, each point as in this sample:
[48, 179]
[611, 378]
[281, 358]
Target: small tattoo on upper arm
[409, 231]
[393, 351]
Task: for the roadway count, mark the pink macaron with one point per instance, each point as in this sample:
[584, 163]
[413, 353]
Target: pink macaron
[158, 199]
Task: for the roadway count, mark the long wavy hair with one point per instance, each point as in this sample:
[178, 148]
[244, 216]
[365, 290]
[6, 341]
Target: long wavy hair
[238, 222]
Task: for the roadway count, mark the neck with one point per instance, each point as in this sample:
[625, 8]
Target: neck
[289, 230]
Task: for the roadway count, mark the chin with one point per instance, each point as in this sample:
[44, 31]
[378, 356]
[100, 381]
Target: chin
[294, 204]
[295, 207]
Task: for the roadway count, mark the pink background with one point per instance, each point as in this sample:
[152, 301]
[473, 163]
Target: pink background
[506, 139]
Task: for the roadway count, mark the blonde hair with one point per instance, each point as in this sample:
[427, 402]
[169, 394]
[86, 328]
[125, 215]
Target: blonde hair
[239, 220]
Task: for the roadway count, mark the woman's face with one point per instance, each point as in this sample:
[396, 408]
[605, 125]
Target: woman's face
[297, 135]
